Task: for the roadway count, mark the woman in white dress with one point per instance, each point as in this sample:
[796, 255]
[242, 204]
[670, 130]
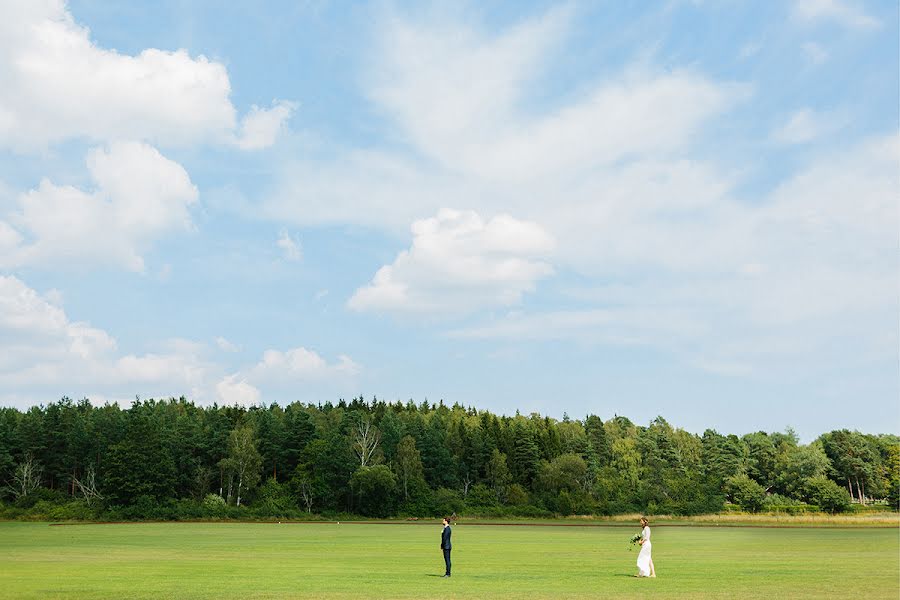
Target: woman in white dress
[644, 559]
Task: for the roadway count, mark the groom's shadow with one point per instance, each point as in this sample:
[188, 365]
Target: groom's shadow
[432, 575]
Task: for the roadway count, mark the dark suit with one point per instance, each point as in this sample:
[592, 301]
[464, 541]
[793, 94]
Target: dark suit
[446, 546]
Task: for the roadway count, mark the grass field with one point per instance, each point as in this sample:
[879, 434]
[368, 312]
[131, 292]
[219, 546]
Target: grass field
[239, 560]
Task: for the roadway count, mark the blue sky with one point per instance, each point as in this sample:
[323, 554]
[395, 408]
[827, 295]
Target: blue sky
[685, 209]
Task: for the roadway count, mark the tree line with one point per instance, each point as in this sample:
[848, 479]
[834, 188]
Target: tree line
[175, 459]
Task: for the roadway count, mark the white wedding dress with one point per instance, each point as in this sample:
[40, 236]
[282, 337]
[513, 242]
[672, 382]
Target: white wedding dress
[643, 559]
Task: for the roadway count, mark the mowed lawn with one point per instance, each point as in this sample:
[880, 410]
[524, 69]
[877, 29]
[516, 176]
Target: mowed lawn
[230, 560]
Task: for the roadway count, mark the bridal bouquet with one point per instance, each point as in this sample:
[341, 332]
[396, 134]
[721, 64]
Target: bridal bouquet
[635, 539]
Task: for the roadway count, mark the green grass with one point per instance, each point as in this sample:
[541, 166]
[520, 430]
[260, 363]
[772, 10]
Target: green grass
[239, 560]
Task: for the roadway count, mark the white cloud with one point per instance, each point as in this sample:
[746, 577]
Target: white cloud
[299, 364]
[459, 262]
[140, 195]
[843, 12]
[260, 127]
[226, 346]
[46, 356]
[57, 84]
[814, 265]
[457, 97]
[617, 171]
[291, 248]
[286, 376]
[459, 100]
[231, 391]
[815, 52]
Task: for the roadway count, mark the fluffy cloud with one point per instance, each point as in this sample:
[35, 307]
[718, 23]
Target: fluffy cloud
[47, 355]
[232, 390]
[260, 127]
[226, 346]
[57, 84]
[459, 262]
[139, 196]
[288, 375]
[813, 265]
[612, 173]
[299, 364]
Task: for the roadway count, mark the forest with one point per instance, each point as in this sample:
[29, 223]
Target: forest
[173, 459]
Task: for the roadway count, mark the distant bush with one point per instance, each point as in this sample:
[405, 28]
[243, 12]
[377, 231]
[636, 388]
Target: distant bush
[76, 510]
[445, 502]
[746, 493]
[41, 494]
[829, 496]
[481, 495]
[273, 499]
[516, 495]
[213, 502]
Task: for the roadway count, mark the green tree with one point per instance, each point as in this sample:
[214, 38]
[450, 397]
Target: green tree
[243, 461]
[408, 464]
[498, 474]
[374, 488]
[437, 462]
[745, 492]
[526, 454]
[141, 464]
[598, 449]
[798, 464]
[826, 494]
[566, 472]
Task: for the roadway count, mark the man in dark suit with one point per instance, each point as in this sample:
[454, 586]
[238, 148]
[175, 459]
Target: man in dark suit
[445, 544]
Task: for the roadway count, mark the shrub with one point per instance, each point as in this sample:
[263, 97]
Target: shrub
[746, 493]
[830, 496]
[374, 488]
[481, 495]
[75, 510]
[213, 502]
[41, 494]
[445, 502]
[516, 496]
[564, 503]
[273, 499]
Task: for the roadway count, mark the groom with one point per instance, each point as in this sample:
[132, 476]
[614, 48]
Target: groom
[445, 544]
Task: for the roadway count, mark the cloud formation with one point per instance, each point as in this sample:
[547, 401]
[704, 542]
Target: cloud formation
[58, 84]
[47, 353]
[139, 195]
[459, 262]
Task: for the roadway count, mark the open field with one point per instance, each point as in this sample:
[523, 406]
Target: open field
[240, 560]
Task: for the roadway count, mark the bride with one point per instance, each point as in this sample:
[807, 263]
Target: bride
[644, 560]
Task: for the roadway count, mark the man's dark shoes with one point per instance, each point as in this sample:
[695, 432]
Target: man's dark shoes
[445, 575]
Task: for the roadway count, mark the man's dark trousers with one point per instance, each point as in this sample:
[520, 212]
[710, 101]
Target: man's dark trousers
[446, 545]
